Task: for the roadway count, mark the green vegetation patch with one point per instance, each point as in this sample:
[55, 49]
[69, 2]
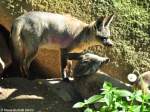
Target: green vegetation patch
[116, 100]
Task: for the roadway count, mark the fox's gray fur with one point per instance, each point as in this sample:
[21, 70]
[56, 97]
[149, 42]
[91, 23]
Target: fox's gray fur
[89, 64]
[54, 31]
[144, 82]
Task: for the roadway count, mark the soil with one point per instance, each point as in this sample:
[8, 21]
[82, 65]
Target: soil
[40, 95]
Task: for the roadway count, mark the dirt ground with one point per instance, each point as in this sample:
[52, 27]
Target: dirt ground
[40, 95]
[50, 95]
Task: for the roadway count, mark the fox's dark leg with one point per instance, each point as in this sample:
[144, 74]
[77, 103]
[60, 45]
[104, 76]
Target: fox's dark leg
[63, 64]
[26, 62]
[68, 69]
[74, 56]
[64, 59]
[24, 69]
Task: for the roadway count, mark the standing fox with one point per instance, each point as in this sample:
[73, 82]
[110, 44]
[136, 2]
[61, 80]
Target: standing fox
[54, 31]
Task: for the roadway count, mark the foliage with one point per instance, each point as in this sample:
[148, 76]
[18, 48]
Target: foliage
[116, 100]
[130, 31]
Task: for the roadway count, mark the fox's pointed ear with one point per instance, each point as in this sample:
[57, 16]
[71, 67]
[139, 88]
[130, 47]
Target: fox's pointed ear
[108, 20]
[100, 22]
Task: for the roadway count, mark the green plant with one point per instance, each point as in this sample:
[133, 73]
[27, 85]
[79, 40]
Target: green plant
[116, 100]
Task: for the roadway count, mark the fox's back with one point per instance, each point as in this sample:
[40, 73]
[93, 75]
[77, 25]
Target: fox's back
[53, 21]
[56, 29]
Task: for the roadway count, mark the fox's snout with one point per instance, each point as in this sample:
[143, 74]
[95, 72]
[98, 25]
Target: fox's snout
[95, 58]
[107, 42]
[103, 60]
[106, 60]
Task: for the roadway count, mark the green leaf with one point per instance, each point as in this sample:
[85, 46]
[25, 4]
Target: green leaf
[138, 95]
[101, 100]
[139, 98]
[138, 92]
[88, 110]
[146, 96]
[135, 108]
[108, 99]
[93, 99]
[79, 105]
[118, 104]
[104, 109]
[107, 86]
[123, 93]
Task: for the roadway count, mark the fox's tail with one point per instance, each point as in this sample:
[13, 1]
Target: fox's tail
[16, 42]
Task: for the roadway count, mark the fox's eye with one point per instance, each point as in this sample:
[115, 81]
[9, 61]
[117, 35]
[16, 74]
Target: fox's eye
[102, 37]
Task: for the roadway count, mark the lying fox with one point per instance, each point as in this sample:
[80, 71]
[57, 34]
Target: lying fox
[54, 31]
[89, 64]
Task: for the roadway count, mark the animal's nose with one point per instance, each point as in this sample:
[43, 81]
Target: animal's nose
[107, 60]
[109, 43]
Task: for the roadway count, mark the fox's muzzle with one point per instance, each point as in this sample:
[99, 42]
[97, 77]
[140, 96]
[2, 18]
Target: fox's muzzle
[106, 60]
[105, 41]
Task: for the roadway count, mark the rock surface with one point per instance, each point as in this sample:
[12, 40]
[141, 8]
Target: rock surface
[51, 95]
[36, 96]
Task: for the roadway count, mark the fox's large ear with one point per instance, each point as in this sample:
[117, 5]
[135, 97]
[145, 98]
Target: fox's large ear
[100, 22]
[108, 20]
